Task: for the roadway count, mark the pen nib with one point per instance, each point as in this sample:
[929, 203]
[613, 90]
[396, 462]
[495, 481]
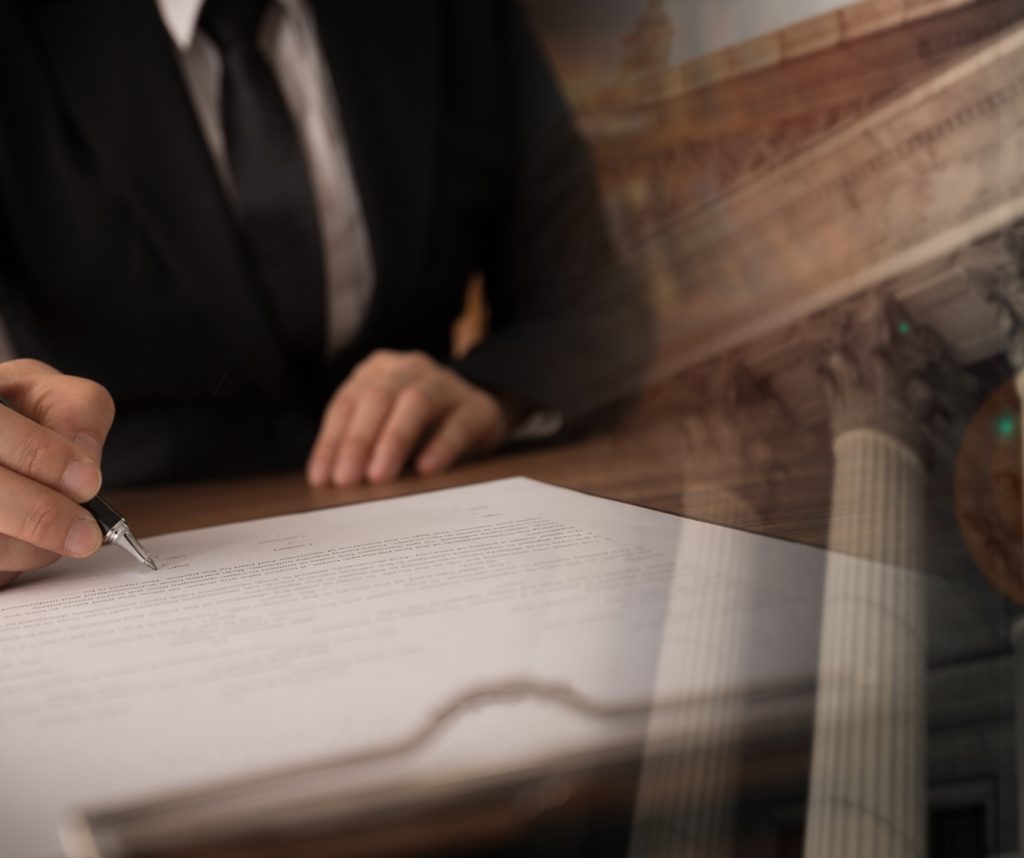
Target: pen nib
[126, 541]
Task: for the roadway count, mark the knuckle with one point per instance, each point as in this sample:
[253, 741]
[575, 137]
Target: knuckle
[377, 358]
[341, 402]
[30, 366]
[447, 384]
[367, 362]
[398, 438]
[96, 397]
[470, 429]
[17, 557]
[355, 445]
[37, 459]
[417, 397]
[40, 524]
[486, 408]
[469, 390]
[377, 396]
[367, 373]
[360, 370]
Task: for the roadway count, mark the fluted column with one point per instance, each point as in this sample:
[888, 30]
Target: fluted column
[686, 801]
[868, 772]
[688, 791]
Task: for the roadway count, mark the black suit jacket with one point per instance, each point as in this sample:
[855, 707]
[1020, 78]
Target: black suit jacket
[119, 259]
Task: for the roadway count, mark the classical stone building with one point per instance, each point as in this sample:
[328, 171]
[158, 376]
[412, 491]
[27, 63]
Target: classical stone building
[831, 218]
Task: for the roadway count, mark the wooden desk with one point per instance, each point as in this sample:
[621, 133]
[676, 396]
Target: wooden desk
[647, 468]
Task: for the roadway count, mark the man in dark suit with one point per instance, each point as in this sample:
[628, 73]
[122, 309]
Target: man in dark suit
[141, 247]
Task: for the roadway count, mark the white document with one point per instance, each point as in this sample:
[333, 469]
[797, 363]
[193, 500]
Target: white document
[273, 642]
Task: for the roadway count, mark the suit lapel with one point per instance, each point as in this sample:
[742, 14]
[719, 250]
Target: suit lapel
[384, 62]
[117, 70]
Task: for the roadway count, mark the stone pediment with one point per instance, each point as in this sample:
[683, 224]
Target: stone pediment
[910, 182]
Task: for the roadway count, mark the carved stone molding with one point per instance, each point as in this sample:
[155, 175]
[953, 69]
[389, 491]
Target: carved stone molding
[909, 183]
[740, 445]
[995, 270]
[648, 45]
[732, 421]
[880, 370]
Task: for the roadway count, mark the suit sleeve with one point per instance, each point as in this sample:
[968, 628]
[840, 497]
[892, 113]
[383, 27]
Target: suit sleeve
[570, 328]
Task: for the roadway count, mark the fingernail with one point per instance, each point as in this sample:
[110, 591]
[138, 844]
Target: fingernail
[83, 538]
[81, 480]
[316, 474]
[431, 460]
[380, 467]
[346, 473]
[90, 443]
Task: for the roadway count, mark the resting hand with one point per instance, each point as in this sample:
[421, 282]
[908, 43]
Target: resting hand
[397, 405]
[50, 449]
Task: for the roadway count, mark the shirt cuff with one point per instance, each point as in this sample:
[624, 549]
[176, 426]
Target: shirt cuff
[536, 426]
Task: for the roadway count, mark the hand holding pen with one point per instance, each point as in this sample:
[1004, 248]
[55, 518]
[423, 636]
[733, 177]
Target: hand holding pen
[51, 442]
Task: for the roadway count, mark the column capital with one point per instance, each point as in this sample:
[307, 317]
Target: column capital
[734, 421]
[881, 370]
[739, 438]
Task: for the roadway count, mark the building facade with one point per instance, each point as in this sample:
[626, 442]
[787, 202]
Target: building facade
[831, 221]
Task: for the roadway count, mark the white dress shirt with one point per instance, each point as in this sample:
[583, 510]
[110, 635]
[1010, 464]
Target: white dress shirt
[289, 42]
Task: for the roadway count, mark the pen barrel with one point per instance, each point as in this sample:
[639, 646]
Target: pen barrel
[106, 516]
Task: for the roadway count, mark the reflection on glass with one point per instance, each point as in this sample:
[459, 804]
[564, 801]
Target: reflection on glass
[826, 206]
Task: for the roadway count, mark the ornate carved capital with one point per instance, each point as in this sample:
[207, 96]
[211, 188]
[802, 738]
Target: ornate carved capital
[995, 269]
[881, 370]
[734, 422]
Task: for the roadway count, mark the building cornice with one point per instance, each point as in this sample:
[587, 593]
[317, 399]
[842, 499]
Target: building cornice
[927, 173]
[813, 35]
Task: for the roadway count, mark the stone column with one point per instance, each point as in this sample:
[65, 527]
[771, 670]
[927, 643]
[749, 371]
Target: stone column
[687, 794]
[868, 772]
[686, 801]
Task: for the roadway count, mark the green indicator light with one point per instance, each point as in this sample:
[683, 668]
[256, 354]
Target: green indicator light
[1006, 425]
[903, 327]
